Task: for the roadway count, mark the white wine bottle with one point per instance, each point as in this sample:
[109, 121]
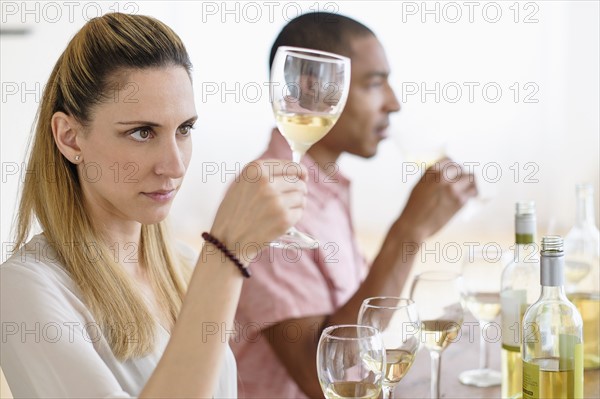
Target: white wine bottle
[582, 274]
[519, 289]
[552, 334]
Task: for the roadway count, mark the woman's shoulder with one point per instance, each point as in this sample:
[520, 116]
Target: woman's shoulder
[33, 281]
[38, 259]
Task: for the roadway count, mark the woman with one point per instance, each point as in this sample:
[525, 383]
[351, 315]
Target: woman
[100, 304]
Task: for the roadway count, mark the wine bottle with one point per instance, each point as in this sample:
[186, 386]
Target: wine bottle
[552, 334]
[519, 289]
[582, 273]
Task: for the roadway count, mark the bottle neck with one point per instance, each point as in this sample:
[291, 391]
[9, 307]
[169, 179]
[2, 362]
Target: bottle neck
[524, 239]
[525, 228]
[552, 269]
[553, 292]
[585, 208]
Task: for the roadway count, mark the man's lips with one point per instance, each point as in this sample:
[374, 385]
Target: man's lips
[382, 131]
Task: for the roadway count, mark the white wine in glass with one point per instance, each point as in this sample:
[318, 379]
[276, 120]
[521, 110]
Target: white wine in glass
[398, 323]
[308, 92]
[437, 334]
[302, 131]
[350, 362]
[437, 295]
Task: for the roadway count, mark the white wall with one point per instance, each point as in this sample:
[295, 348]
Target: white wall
[559, 134]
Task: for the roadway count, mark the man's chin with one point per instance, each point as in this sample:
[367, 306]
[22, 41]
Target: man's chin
[372, 148]
[366, 153]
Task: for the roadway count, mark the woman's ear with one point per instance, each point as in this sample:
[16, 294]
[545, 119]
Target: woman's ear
[65, 130]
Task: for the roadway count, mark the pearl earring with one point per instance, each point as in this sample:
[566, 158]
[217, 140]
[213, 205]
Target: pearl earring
[77, 158]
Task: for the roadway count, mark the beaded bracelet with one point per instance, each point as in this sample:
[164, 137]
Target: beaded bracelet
[221, 247]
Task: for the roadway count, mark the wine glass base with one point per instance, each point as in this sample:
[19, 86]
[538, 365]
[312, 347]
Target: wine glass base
[481, 378]
[295, 238]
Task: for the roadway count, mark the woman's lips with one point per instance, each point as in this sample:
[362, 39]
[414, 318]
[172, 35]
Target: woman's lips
[161, 195]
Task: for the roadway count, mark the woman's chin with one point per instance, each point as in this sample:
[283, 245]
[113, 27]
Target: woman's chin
[154, 217]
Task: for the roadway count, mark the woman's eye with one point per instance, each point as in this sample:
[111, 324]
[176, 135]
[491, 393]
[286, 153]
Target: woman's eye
[141, 134]
[186, 130]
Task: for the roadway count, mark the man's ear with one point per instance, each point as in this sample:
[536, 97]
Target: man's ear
[65, 130]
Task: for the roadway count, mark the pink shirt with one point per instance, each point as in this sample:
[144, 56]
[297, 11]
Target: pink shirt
[291, 284]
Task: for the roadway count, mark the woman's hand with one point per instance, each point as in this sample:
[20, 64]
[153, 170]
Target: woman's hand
[266, 199]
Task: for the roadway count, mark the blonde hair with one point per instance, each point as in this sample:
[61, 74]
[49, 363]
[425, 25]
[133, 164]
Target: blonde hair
[52, 194]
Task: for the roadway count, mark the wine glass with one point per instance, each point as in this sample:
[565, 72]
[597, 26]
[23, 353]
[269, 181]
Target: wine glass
[351, 362]
[437, 295]
[398, 323]
[422, 150]
[421, 153]
[482, 274]
[308, 92]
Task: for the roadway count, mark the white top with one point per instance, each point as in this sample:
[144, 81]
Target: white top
[51, 345]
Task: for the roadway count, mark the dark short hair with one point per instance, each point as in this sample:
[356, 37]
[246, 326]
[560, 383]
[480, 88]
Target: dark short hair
[320, 31]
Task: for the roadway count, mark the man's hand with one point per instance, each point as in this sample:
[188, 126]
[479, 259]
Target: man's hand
[442, 191]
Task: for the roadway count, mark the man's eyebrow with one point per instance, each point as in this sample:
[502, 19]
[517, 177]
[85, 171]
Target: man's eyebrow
[377, 74]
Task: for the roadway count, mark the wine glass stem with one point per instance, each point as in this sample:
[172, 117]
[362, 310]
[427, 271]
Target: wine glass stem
[435, 374]
[297, 156]
[483, 358]
[388, 392]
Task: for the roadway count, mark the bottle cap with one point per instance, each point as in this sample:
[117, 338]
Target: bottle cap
[525, 221]
[525, 207]
[552, 261]
[584, 189]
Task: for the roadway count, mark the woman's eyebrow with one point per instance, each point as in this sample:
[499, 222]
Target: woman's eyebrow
[153, 124]
[146, 123]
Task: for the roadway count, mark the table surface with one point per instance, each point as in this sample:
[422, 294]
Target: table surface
[464, 355]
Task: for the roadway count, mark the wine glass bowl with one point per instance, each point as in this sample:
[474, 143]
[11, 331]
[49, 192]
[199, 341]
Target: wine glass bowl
[308, 92]
[351, 362]
[398, 323]
[437, 295]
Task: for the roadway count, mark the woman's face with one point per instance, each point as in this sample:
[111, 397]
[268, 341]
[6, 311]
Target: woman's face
[137, 146]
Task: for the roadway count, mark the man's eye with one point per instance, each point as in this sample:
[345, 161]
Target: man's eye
[376, 83]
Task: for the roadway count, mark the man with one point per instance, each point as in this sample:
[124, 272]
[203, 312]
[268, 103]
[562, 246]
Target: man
[292, 296]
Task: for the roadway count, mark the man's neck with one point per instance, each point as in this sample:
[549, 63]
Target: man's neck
[322, 155]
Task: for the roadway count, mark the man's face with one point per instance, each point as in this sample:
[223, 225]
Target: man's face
[365, 119]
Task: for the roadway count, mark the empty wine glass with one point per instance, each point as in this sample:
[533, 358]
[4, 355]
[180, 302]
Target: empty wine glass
[437, 295]
[351, 362]
[398, 323]
[482, 274]
[308, 92]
